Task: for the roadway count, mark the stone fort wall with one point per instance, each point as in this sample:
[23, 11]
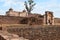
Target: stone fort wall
[21, 20]
[14, 17]
[36, 32]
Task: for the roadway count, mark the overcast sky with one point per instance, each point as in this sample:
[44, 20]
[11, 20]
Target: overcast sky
[40, 7]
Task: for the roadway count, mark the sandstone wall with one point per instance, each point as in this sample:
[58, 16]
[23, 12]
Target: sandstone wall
[36, 32]
[23, 14]
[21, 20]
[9, 20]
[11, 12]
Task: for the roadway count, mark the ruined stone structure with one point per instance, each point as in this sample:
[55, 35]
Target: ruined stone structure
[14, 17]
[25, 18]
[11, 12]
[30, 26]
[49, 18]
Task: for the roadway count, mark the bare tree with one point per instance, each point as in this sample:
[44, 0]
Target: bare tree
[29, 5]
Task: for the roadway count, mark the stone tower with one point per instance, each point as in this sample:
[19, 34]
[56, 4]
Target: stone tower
[48, 18]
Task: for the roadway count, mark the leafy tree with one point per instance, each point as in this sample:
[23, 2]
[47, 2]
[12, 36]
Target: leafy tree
[29, 5]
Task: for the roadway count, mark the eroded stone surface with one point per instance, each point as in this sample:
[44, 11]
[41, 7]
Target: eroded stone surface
[37, 33]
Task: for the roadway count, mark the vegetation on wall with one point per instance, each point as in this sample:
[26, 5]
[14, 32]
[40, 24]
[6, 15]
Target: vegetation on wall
[29, 5]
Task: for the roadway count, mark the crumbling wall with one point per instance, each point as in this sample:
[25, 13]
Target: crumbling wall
[49, 18]
[37, 32]
[21, 20]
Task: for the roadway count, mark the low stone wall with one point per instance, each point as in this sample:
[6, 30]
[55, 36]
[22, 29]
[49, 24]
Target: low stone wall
[36, 32]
